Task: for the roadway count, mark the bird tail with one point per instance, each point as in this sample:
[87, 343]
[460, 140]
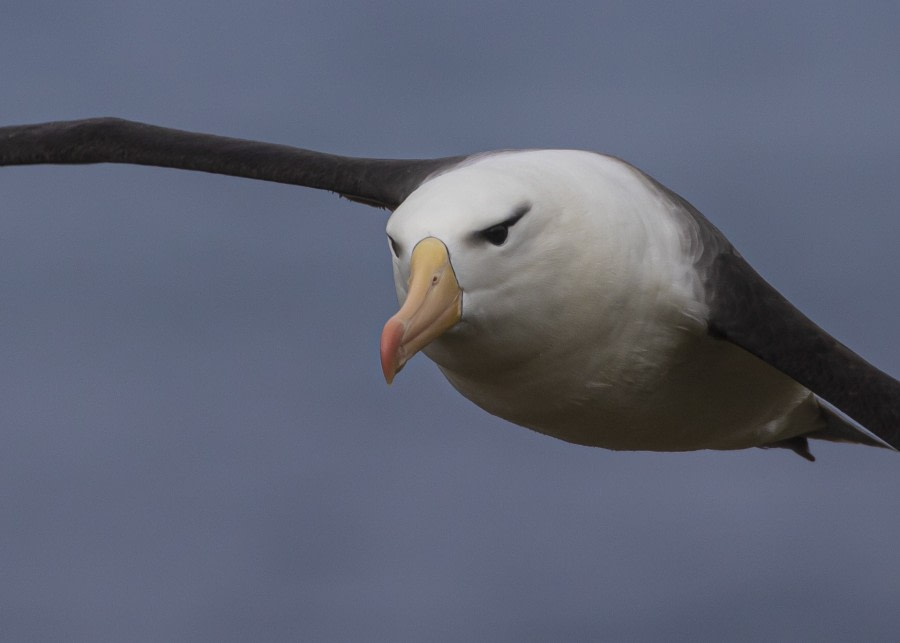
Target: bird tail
[836, 428]
[840, 428]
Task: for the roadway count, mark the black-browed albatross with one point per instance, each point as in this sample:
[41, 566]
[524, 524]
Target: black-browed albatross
[563, 290]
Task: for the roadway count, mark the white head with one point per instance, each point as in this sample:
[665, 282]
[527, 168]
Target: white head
[549, 248]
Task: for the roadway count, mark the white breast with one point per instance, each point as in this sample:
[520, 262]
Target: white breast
[589, 325]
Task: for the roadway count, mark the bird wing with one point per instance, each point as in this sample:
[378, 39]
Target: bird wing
[746, 310]
[382, 183]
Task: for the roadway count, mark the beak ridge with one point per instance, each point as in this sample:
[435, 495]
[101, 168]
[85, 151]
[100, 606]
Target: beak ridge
[433, 305]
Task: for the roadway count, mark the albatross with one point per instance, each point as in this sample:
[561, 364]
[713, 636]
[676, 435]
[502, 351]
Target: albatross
[565, 291]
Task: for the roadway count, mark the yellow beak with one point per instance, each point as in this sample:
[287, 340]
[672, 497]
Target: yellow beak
[433, 305]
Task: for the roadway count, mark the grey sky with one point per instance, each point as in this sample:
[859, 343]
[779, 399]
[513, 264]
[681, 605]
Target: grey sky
[196, 441]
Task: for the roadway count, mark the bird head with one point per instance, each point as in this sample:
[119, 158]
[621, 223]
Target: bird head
[485, 262]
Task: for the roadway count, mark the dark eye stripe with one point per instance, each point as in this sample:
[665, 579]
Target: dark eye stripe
[520, 212]
[394, 246]
[497, 234]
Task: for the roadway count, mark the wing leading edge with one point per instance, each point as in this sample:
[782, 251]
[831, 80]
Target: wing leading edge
[747, 311]
[382, 183]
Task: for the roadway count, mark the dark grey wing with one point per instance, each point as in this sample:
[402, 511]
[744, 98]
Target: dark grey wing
[747, 311]
[379, 182]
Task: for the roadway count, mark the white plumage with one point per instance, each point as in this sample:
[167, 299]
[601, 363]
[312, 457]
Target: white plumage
[588, 323]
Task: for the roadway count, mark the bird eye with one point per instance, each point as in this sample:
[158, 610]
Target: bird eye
[496, 234]
[395, 247]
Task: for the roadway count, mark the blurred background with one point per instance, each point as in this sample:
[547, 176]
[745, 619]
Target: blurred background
[196, 442]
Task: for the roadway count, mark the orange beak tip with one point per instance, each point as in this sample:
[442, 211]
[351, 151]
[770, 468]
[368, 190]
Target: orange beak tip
[391, 337]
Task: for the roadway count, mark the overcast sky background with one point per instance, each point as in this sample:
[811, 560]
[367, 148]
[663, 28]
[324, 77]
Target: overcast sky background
[196, 440]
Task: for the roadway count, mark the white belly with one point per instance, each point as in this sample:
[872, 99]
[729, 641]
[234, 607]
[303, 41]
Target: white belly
[712, 395]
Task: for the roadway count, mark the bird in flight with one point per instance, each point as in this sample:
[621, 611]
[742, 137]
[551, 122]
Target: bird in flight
[565, 291]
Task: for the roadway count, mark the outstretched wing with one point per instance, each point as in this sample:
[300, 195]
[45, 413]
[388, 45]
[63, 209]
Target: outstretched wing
[382, 183]
[747, 311]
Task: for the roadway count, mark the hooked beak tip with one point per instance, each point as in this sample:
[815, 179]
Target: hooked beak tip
[433, 304]
[391, 351]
